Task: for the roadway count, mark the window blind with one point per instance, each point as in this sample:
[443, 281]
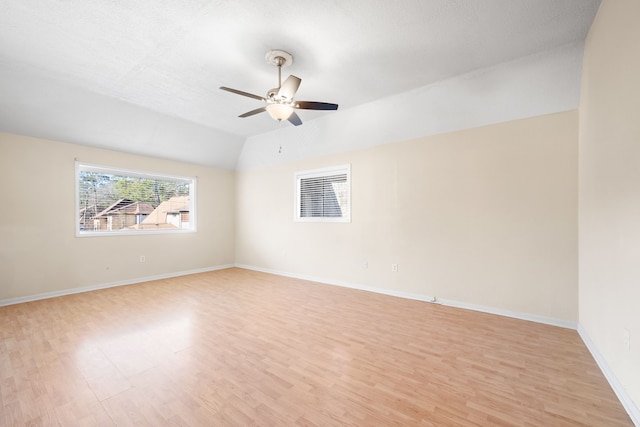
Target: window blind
[323, 195]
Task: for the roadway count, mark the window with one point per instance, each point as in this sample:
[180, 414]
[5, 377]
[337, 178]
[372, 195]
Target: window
[324, 195]
[117, 201]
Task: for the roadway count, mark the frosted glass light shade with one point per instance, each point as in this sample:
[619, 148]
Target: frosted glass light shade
[279, 112]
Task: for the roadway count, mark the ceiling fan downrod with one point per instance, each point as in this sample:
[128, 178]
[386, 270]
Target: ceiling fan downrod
[279, 60]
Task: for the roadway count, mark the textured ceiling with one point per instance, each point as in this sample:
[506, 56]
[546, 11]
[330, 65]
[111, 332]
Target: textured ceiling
[170, 56]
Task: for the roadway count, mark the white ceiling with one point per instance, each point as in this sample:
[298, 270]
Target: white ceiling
[143, 76]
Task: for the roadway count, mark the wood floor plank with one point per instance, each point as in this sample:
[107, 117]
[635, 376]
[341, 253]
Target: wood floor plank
[238, 347]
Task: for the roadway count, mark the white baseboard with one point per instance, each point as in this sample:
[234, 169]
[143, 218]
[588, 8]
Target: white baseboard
[568, 324]
[421, 297]
[71, 291]
[616, 385]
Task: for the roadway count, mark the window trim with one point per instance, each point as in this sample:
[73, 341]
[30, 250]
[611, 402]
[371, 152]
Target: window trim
[134, 173]
[314, 173]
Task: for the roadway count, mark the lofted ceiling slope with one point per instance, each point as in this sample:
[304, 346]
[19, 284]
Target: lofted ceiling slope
[143, 76]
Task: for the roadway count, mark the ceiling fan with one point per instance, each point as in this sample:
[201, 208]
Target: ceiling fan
[279, 101]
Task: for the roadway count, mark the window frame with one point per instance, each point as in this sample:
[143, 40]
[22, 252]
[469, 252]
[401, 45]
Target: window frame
[133, 173]
[315, 173]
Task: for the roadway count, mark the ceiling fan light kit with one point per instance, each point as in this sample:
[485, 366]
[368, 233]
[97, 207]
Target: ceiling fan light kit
[279, 100]
[279, 112]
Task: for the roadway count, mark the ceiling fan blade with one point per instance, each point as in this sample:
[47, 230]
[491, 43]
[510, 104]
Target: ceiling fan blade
[312, 105]
[254, 112]
[239, 92]
[295, 119]
[289, 87]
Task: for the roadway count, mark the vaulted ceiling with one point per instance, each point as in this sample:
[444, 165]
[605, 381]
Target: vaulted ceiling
[143, 76]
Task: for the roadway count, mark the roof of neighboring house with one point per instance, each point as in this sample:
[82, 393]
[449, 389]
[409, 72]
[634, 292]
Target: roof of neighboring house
[127, 207]
[173, 205]
[91, 210]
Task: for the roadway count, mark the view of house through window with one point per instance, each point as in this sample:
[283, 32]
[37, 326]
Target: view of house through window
[119, 201]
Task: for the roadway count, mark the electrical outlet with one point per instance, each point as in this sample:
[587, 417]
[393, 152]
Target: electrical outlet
[142, 258]
[627, 339]
[365, 264]
[394, 268]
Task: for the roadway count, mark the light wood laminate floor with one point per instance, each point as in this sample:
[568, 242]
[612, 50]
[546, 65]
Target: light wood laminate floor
[237, 347]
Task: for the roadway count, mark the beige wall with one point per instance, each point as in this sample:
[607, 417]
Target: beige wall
[609, 209]
[486, 216]
[39, 252]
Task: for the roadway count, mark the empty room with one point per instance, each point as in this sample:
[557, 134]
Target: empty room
[362, 213]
